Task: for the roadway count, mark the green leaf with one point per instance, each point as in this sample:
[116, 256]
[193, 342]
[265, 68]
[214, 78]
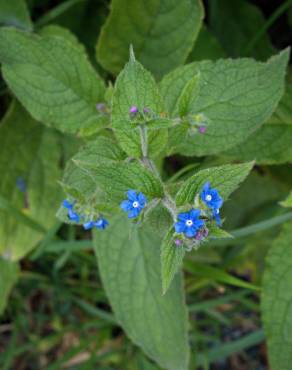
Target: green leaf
[243, 21]
[276, 300]
[288, 201]
[8, 277]
[15, 13]
[52, 78]
[283, 113]
[235, 96]
[162, 33]
[171, 259]
[29, 175]
[270, 144]
[225, 179]
[116, 179]
[218, 233]
[189, 95]
[136, 87]
[130, 269]
[102, 150]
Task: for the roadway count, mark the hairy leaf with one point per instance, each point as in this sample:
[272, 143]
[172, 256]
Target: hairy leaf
[52, 78]
[161, 31]
[276, 300]
[116, 179]
[225, 179]
[171, 259]
[130, 269]
[235, 96]
[288, 201]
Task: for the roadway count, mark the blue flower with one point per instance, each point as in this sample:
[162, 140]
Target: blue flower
[73, 216]
[211, 197]
[101, 223]
[67, 204]
[134, 204]
[216, 216]
[189, 223]
[88, 225]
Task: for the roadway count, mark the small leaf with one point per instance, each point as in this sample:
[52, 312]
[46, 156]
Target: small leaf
[135, 87]
[276, 300]
[225, 179]
[8, 277]
[188, 95]
[162, 38]
[171, 259]
[128, 260]
[218, 233]
[52, 78]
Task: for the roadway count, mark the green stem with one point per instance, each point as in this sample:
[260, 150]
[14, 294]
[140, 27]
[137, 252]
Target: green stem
[277, 13]
[144, 140]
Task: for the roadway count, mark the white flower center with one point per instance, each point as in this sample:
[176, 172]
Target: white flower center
[135, 204]
[208, 198]
[189, 222]
[217, 211]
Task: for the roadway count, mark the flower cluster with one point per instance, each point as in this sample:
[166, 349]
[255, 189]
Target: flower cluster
[142, 115]
[192, 227]
[73, 215]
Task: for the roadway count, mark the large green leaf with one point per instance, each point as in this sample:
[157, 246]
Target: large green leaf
[30, 156]
[235, 96]
[52, 78]
[15, 13]
[269, 145]
[8, 277]
[225, 179]
[130, 269]
[161, 31]
[276, 300]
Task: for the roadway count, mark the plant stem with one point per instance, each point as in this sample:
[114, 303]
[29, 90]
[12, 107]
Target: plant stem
[144, 140]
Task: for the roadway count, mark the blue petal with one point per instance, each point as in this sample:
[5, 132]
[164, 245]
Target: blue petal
[88, 225]
[73, 216]
[180, 227]
[132, 195]
[142, 199]
[101, 223]
[194, 214]
[184, 216]
[206, 187]
[126, 205]
[67, 204]
[199, 223]
[191, 232]
[133, 213]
